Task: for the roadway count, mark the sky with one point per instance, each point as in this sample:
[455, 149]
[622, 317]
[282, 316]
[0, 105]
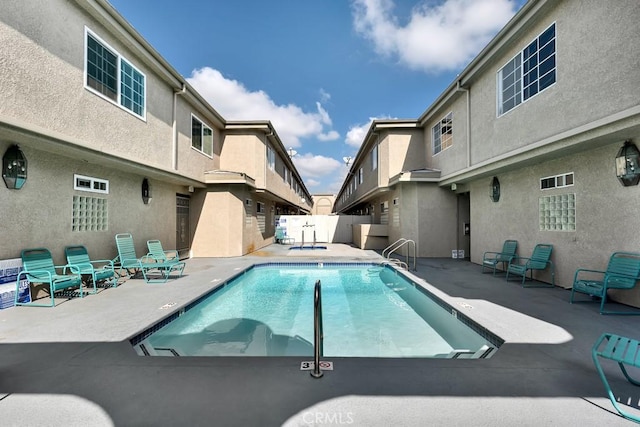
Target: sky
[319, 70]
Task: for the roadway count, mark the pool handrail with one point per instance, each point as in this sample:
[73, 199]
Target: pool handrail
[317, 330]
[386, 253]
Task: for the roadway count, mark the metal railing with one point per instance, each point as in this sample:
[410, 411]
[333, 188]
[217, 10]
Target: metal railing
[317, 331]
[401, 242]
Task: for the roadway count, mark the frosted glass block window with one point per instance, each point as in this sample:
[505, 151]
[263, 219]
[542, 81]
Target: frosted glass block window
[90, 214]
[558, 213]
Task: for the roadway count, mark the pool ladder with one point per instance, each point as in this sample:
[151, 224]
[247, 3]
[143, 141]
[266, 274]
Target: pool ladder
[401, 242]
[317, 331]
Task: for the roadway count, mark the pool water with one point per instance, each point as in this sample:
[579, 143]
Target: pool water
[367, 311]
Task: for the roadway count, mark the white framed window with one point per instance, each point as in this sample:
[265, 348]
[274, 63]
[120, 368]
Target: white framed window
[557, 181]
[111, 76]
[89, 214]
[374, 158]
[91, 184]
[442, 134]
[530, 72]
[271, 157]
[360, 176]
[201, 136]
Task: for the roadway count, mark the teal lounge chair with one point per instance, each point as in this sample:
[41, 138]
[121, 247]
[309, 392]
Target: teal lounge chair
[623, 272]
[129, 262]
[539, 260]
[158, 254]
[492, 259]
[282, 238]
[38, 267]
[101, 271]
[623, 351]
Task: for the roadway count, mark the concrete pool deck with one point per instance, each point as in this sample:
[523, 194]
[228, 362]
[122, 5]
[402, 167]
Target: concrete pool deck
[72, 365]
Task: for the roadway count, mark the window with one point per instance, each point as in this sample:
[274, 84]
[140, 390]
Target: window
[374, 158]
[87, 183]
[558, 213]
[558, 181]
[442, 134]
[89, 214]
[360, 176]
[113, 77]
[531, 71]
[201, 136]
[271, 158]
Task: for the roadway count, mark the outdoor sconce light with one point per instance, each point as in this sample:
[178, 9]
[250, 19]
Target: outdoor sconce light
[627, 164]
[146, 191]
[494, 189]
[14, 168]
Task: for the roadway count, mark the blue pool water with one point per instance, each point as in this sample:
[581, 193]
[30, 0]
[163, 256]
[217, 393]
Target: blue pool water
[367, 311]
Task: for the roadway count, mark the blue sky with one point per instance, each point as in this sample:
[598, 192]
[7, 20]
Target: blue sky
[319, 70]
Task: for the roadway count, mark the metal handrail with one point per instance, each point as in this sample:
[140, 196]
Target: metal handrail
[397, 245]
[317, 331]
[393, 246]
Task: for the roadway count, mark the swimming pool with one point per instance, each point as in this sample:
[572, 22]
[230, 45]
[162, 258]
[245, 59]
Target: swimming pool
[368, 310]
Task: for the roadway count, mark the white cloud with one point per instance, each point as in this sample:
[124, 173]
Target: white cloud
[311, 182]
[356, 133]
[315, 166]
[436, 37]
[235, 102]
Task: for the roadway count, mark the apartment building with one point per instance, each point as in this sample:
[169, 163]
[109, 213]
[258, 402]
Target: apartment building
[527, 144]
[109, 138]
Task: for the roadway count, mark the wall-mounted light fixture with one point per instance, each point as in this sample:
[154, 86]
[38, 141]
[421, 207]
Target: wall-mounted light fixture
[146, 191]
[628, 164]
[14, 168]
[494, 189]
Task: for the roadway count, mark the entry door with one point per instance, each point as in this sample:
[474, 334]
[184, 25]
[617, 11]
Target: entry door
[183, 234]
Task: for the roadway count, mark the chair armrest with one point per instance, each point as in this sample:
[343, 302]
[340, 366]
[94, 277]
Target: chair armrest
[103, 261]
[74, 268]
[171, 254]
[81, 265]
[518, 260]
[585, 270]
[34, 274]
[484, 255]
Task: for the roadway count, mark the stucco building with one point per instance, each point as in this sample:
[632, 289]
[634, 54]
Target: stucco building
[116, 140]
[522, 145]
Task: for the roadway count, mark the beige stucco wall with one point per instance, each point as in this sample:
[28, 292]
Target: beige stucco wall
[370, 236]
[597, 76]
[605, 214]
[40, 214]
[219, 225]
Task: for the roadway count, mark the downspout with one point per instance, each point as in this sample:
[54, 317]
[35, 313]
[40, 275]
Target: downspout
[174, 154]
[464, 89]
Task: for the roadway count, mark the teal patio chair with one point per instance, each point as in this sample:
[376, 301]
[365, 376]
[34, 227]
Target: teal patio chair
[158, 254]
[623, 272]
[129, 262]
[539, 260]
[492, 259]
[282, 238]
[38, 267]
[100, 271]
[622, 351]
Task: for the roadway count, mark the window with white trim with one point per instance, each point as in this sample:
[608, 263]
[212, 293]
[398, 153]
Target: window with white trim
[271, 157]
[201, 136]
[374, 158]
[360, 175]
[557, 181]
[91, 184]
[530, 72]
[114, 78]
[442, 134]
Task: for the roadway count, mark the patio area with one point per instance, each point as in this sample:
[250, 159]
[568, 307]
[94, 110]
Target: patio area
[72, 365]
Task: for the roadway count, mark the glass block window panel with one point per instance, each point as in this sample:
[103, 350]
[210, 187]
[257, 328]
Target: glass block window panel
[442, 135]
[89, 214]
[558, 212]
[271, 158]
[374, 158]
[531, 71]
